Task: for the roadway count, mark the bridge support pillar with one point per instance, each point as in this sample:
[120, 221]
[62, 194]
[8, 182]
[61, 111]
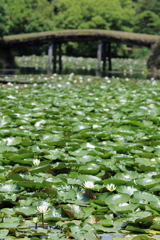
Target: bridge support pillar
[99, 55]
[50, 56]
[54, 57]
[109, 57]
[60, 57]
[57, 50]
[104, 55]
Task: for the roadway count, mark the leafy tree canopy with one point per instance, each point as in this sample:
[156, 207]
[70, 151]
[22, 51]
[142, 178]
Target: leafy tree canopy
[147, 22]
[3, 19]
[23, 16]
[26, 16]
[147, 18]
[111, 14]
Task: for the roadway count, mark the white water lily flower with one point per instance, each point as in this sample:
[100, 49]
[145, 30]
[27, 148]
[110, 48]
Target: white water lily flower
[35, 219]
[89, 184]
[36, 162]
[43, 209]
[111, 187]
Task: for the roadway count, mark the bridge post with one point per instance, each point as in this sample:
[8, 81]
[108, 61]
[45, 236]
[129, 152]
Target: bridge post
[99, 55]
[104, 57]
[50, 56]
[57, 50]
[109, 57]
[54, 57]
[60, 57]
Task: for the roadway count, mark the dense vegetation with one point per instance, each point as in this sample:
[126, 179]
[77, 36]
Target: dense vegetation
[79, 158]
[25, 16]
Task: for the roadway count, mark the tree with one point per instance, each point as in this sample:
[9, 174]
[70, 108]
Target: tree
[147, 22]
[147, 17]
[26, 16]
[3, 19]
[110, 14]
[92, 14]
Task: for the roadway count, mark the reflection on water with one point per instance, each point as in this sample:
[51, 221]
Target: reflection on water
[91, 72]
[106, 238]
[109, 236]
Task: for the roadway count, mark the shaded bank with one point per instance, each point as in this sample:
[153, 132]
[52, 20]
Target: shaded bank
[153, 63]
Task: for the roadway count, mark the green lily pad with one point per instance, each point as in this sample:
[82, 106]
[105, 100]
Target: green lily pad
[123, 207]
[12, 141]
[117, 198]
[80, 127]
[26, 211]
[91, 168]
[4, 120]
[10, 187]
[3, 233]
[126, 189]
[3, 148]
[54, 215]
[117, 181]
[9, 225]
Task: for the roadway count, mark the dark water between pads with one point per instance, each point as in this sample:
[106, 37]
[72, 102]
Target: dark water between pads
[83, 72]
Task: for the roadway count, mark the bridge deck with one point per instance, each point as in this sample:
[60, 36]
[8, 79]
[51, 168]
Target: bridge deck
[80, 36]
[54, 40]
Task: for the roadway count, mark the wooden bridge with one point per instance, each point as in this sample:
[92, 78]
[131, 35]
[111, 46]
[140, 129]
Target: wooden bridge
[55, 39]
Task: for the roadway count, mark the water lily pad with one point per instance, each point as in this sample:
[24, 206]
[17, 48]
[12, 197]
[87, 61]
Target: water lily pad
[123, 207]
[40, 168]
[88, 177]
[117, 181]
[9, 225]
[4, 120]
[13, 141]
[10, 187]
[80, 127]
[26, 211]
[54, 215]
[106, 222]
[117, 198]
[144, 196]
[147, 182]
[3, 233]
[90, 169]
[3, 148]
[126, 189]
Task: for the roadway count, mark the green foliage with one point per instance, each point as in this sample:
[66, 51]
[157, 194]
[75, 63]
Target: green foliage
[3, 19]
[140, 52]
[29, 16]
[42, 15]
[94, 14]
[147, 22]
[147, 18]
[24, 16]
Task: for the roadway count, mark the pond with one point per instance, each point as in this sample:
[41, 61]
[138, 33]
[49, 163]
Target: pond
[122, 68]
[97, 143]
[84, 72]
